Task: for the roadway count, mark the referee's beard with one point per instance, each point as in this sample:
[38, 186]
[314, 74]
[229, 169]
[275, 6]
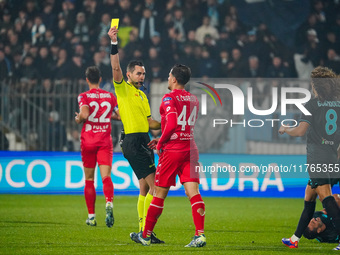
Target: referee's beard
[136, 84]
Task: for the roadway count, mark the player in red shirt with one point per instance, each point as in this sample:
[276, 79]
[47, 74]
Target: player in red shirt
[96, 111]
[178, 155]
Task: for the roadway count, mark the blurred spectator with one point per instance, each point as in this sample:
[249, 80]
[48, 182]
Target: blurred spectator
[44, 96]
[154, 60]
[49, 38]
[213, 12]
[68, 13]
[311, 49]
[147, 26]
[179, 24]
[113, 6]
[29, 71]
[68, 41]
[125, 7]
[91, 11]
[31, 9]
[56, 133]
[187, 55]
[16, 66]
[192, 39]
[62, 69]
[224, 42]
[74, 143]
[277, 69]
[104, 26]
[231, 27]
[80, 51]
[192, 13]
[206, 29]
[253, 47]
[104, 68]
[254, 69]
[54, 52]
[105, 44]
[237, 65]
[336, 27]
[331, 43]
[77, 66]
[4, 143]
[44, 63]
[223, 63]
[81, 29]
[210, 45]
[311, 23]
[6, 23]
[207, 65]
[22, 18]
[38, 31]
[48, 17]
[5, 68]
[18, 29]
[333, 61]
[14, 42]
[132, 44]
[61, 30]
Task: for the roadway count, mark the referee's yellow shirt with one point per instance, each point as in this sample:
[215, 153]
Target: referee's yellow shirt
[134, 108]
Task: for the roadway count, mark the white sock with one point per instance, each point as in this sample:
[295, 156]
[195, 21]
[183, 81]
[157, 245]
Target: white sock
[92, 215]
[109, 204]
[294, 238]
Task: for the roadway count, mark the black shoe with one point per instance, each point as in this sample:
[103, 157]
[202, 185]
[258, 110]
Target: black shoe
[154, 239]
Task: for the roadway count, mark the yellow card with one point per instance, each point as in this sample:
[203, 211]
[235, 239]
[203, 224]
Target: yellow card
[115, 22]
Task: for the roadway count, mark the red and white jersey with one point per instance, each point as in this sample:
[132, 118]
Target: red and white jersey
[185, 106]
[97, 128]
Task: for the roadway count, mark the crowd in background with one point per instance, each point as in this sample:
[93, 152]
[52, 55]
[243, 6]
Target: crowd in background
[45, 44]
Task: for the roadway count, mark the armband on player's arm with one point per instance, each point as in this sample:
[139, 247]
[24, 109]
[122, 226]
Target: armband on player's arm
[169, 129]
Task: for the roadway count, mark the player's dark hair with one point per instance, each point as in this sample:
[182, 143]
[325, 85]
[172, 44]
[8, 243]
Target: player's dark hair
[310, 234]
[182, 73]
[132, 64]
[326, 89]
[93, 74]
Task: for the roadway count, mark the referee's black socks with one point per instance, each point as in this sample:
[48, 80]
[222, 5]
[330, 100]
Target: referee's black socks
[306, 216]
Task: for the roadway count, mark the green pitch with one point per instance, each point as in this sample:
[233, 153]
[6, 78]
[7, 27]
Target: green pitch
[55, 224]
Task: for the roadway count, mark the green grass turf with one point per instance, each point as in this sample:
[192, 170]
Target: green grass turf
[55, 224]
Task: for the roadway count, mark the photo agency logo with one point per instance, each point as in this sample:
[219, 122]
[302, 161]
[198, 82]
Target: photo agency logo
[250, 104]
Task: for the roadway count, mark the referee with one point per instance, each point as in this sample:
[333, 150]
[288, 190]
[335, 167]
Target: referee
[135, 114]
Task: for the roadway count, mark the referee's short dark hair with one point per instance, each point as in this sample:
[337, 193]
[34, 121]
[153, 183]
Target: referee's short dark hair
[132, 64]
[182, 73]
[93, 74]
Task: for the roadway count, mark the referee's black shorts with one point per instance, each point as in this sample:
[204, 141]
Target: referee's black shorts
[140, 156]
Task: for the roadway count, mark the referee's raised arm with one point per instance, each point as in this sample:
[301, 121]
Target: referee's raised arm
[116, 69]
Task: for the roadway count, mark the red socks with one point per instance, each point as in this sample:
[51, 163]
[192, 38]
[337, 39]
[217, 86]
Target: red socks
[108, 189]
[198, 213]
[155, 210]
[90, 196]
